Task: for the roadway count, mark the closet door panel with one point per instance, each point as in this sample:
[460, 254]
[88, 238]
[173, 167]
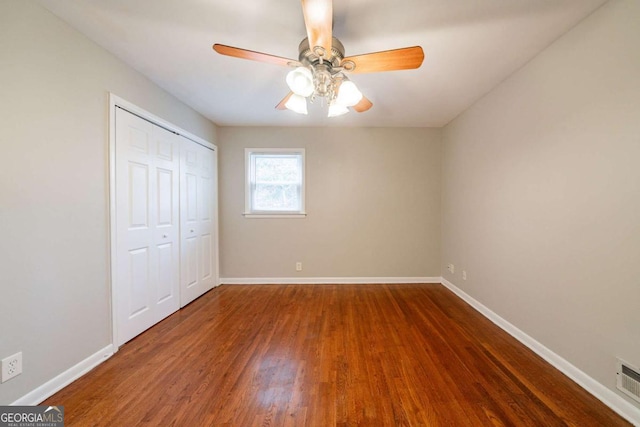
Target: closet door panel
[206, 220]
[138, 284]
[147, 227]
[198, 248]
[166, 273]
[134, 225]
[207, 258]
[166, 147]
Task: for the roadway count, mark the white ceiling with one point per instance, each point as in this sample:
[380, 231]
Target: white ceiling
[470, 46]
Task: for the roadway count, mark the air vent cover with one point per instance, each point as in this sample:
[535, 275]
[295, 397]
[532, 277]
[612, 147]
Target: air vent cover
[628, 380]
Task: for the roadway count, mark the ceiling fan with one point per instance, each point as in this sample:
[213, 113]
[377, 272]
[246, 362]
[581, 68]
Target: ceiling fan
[321, 69]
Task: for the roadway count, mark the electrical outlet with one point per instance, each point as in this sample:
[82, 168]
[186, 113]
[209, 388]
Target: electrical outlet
[464, 274]
[451, 268]
[11, 366]
[298, 266]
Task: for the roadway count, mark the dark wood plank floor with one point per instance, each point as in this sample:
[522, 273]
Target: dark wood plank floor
[328, 355]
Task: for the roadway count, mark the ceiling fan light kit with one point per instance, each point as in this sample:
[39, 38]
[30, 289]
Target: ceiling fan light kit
[321, 66]
[322, 75]
[300, 81]
[348, 95]
[336, 110]
[297, 103]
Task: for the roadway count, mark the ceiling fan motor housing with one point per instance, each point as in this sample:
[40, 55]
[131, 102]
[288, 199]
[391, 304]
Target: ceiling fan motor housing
[327, 69]
[307, 56]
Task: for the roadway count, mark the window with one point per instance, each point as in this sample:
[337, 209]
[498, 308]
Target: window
[274, 183]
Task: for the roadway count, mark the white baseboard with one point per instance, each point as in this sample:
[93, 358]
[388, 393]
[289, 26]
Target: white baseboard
[325, 280]
[48, 389]
[603, 393]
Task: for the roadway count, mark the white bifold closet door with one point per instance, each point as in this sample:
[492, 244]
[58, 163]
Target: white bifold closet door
[160, 265]
[197, 209]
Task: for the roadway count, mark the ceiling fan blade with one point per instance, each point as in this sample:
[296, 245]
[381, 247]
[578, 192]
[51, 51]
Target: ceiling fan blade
[389, 60]
[281, 105]
[318, 18]
[363, 105]
[250, 54]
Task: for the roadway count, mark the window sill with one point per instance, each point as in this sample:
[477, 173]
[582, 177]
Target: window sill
[274, 215]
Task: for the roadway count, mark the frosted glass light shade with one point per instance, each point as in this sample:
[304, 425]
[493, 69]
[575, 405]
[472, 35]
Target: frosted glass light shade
[300, 81]
[297, 103]
[336, 110]
[348, 94]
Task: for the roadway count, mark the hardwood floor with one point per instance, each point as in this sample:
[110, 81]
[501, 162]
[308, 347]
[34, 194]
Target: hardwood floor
[328, 355]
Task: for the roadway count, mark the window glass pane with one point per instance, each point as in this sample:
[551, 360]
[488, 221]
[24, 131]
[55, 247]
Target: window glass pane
[270, 168]
[279, 197]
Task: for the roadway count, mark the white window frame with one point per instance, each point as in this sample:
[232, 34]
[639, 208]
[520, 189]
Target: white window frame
[249, 212]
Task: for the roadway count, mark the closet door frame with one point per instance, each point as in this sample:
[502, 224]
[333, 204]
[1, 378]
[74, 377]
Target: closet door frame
[117, 102]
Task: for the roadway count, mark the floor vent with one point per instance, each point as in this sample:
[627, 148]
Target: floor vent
[628, 380]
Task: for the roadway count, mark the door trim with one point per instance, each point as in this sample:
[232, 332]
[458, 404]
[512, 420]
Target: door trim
[117, 102]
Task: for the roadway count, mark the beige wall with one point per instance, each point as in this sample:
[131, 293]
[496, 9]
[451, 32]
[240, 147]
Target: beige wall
[54, 84]
[541, 195]
[373, 204]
